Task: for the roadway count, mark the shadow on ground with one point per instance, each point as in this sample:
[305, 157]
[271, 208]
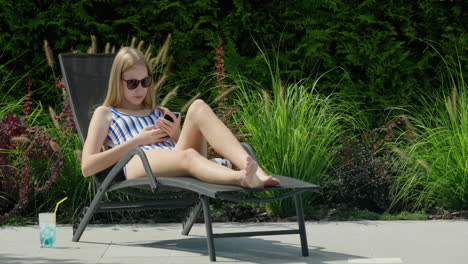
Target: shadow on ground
[245, 250]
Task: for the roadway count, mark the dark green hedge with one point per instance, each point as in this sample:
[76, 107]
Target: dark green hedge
[379, 44]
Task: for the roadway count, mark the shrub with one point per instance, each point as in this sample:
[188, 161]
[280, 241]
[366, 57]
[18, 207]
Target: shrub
[293, 129]
[365, 169]
[435, 164]
[30, 160]
[375, 41]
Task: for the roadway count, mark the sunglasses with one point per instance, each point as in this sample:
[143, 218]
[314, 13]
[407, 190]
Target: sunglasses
[133, 83]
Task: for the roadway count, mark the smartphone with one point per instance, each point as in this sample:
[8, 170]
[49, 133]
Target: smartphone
[168, 117]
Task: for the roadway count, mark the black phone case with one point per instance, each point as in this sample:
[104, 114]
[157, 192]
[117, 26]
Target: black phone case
[168, 117]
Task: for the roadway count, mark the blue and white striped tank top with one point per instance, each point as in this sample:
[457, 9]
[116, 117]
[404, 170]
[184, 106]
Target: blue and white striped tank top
[125, 127]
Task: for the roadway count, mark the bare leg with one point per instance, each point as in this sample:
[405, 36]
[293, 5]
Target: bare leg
[176, 163]
[198, 143]
[201, 123]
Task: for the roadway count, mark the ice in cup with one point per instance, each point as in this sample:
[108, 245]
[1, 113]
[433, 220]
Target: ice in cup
[47, 229]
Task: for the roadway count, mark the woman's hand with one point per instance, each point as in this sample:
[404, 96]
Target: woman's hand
[151, 134]
[171, 128]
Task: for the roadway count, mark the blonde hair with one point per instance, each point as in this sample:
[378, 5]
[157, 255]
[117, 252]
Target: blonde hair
[126, 58]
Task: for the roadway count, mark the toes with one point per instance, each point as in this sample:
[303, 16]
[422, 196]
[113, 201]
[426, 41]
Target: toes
[271, 181]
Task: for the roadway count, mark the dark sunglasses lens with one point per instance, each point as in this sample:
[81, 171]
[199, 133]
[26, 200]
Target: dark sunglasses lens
[146, 81]
[132, 84]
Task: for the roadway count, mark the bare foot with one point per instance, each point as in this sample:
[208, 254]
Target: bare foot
[249, 177]
[255, 177]
[267, 180]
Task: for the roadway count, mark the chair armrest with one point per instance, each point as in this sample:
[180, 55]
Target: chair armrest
[152, 180]
[123, 161]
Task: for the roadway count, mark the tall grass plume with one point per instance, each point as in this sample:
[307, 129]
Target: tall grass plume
[293, 129]
[435, 162]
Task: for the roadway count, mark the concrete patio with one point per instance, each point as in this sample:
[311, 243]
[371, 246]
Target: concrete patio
[421, 242]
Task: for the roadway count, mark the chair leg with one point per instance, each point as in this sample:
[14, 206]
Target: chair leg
[192, 217]
[87, 216]
[209, 228]
[300, 222]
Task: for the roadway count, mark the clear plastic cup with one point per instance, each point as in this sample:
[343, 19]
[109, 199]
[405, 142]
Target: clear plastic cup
[47, 229]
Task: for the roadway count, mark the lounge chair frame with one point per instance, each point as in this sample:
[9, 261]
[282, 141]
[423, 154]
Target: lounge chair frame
[186, 192]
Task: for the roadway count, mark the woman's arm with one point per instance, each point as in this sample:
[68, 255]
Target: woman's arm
[93, 160]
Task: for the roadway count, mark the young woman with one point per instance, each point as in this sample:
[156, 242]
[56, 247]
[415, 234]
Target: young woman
[130, 118]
